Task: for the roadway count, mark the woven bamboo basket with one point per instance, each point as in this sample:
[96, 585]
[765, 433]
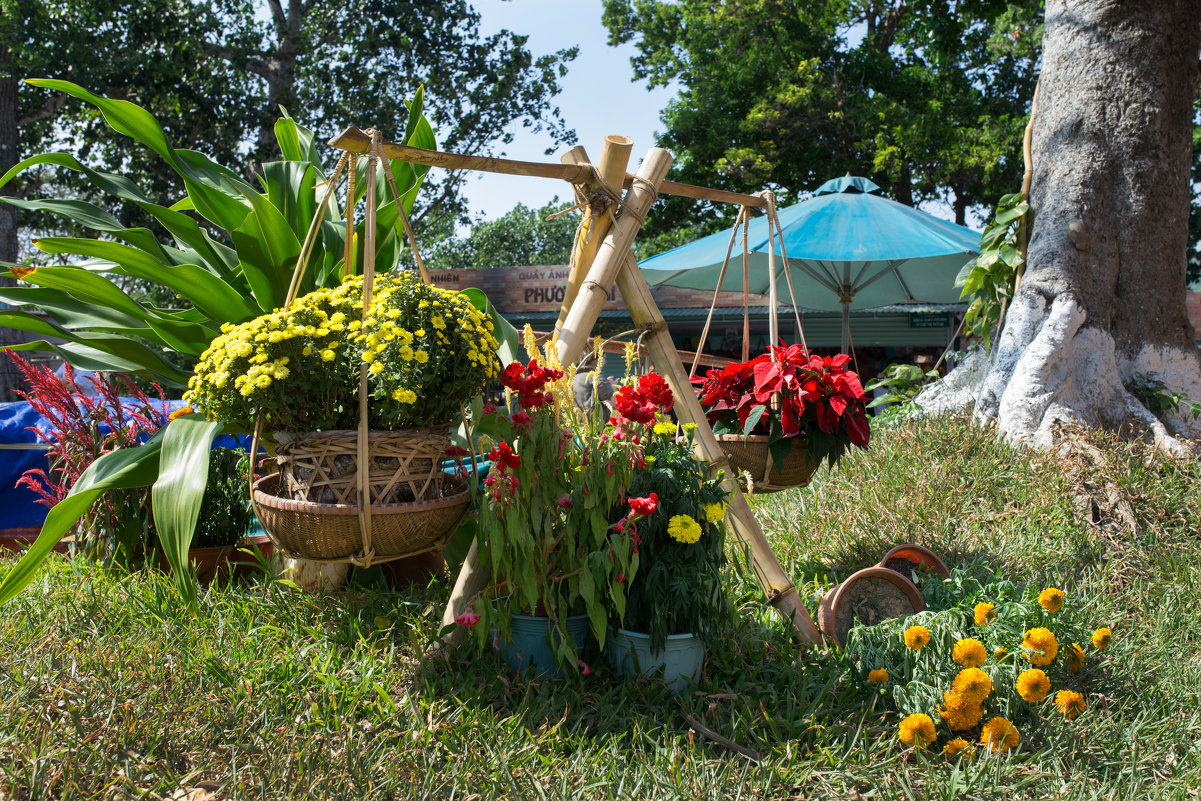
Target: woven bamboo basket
[310, 506]
[750, 455]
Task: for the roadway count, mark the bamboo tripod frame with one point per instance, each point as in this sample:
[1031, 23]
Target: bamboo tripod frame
[595, 268]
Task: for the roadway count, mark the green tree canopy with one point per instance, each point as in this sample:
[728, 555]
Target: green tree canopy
[927, 98]
[523, 236]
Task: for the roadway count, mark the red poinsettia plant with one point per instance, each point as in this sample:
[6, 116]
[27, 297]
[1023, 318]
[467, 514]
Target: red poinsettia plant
[789, 393]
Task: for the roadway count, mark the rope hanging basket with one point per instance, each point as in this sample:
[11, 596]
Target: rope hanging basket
[360, 496]
[749, 455]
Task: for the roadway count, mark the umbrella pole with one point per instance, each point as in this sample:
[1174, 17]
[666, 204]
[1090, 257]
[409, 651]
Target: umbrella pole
[846, 325]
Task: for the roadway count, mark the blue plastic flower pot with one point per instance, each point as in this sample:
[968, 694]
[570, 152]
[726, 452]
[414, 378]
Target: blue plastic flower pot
[679, 662]
[530, 648]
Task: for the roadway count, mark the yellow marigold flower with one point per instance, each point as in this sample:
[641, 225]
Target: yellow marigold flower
[690, 427]
[1069, 703]
[917, 730]
[1033, 685]
[960, 712]
[683, 528]
[327, 355]
[984, 613]
[1102, 638]
[714, 512]
[1041, 646]
[969, 652]
[182, 411]
[1051, 599]
[1000, 653]
[1075, 657]
[959, 747]
[999, 735]
[973, 684]
[665, 429]
[878, 676]
[916, 637]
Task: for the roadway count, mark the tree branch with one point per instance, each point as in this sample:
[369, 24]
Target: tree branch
[51, 107]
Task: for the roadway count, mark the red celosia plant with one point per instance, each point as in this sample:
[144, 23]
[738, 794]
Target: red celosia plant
[795, 394]
[559, 476]
[84, 426]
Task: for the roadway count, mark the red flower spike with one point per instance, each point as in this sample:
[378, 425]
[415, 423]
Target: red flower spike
[645, 506]
[467, 619]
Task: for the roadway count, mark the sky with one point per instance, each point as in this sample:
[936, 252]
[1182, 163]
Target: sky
[598, 97]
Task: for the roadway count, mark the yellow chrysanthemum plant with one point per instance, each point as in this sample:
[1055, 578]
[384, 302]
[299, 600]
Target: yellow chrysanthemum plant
[984, 664]
[427, 352]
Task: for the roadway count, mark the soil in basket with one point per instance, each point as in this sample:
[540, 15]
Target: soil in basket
[871, 600]
[908, 569]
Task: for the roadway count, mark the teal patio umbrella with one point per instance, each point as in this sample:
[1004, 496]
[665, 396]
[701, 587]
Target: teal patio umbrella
[848, 248]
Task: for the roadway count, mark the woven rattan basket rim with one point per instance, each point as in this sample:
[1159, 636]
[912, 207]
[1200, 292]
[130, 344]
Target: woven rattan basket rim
[753, 439]
[337, 433]
[264, 498]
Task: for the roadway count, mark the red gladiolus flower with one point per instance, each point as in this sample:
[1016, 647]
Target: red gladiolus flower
[467, 619]
[645, 506]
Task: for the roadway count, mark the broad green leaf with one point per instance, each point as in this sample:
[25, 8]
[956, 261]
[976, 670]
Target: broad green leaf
[120, 469]
[176, 495]
[753, 419]
[68, 311]
[109, 182]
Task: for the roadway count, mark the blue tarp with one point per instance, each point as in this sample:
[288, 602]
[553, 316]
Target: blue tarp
[18, 505]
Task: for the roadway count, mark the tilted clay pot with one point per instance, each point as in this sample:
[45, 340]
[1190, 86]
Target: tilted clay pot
[869, 596]
[907, 559]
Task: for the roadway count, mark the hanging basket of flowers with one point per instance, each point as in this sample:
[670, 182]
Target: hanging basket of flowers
[780, 415]
[360, 384]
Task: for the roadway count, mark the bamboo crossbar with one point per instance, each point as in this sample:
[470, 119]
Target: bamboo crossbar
[355, 140]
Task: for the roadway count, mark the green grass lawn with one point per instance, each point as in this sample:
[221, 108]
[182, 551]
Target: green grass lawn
[108, 689]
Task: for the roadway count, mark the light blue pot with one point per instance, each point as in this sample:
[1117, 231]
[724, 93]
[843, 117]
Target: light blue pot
[529, 647]
[679, 662]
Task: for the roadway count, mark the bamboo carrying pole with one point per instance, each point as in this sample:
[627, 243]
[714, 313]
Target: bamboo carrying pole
[615, 154]
[355, 140]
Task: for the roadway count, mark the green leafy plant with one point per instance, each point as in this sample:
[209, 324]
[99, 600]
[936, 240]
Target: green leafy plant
[677, 588]
[1153, 393]
[903, 381]
[231, 255]
[225, 512]
[989, 279]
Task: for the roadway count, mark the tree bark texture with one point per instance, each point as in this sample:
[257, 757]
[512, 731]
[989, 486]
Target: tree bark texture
[1103, 294]
[10, 376]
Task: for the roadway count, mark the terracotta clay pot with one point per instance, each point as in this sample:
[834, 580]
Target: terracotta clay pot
[869, 596]
[220, 562]
[917, 557]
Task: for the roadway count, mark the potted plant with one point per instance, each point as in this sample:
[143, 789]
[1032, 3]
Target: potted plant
[425, 352]
[676, 604]
[783, 413]
[559, 476]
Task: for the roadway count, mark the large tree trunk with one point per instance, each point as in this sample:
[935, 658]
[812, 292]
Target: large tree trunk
[1103, 294]
[10, 377]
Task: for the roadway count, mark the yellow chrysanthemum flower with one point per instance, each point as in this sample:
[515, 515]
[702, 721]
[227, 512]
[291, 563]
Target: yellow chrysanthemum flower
[1033, 685]
[1075, 657]
[984, 613]
[714, 512]
[878, 676]
[959, 747]
[973, 684]
[376, 368]
[421, 356]
[1041, 646]
[960, 712]
[1051, 599]
[665, 429]
[327, 355]
[1101, 638]
[1070, 704]
[969, 652]
[917, 730]
[1000, 735]
[916, 637]
[683, 528]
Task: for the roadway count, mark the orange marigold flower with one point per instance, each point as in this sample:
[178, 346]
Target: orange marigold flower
[1101, 638]
[972, 683]
[182, 411]
[917, 730]
[969, 652]
[916, 637]
[1000, 735]
[878, 676]
[1051, 599]
[1033, 685]
[1041, 646]
[959, 747]
[1075, 657]
[984, 613]
[1069, 703]
[960, 712]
